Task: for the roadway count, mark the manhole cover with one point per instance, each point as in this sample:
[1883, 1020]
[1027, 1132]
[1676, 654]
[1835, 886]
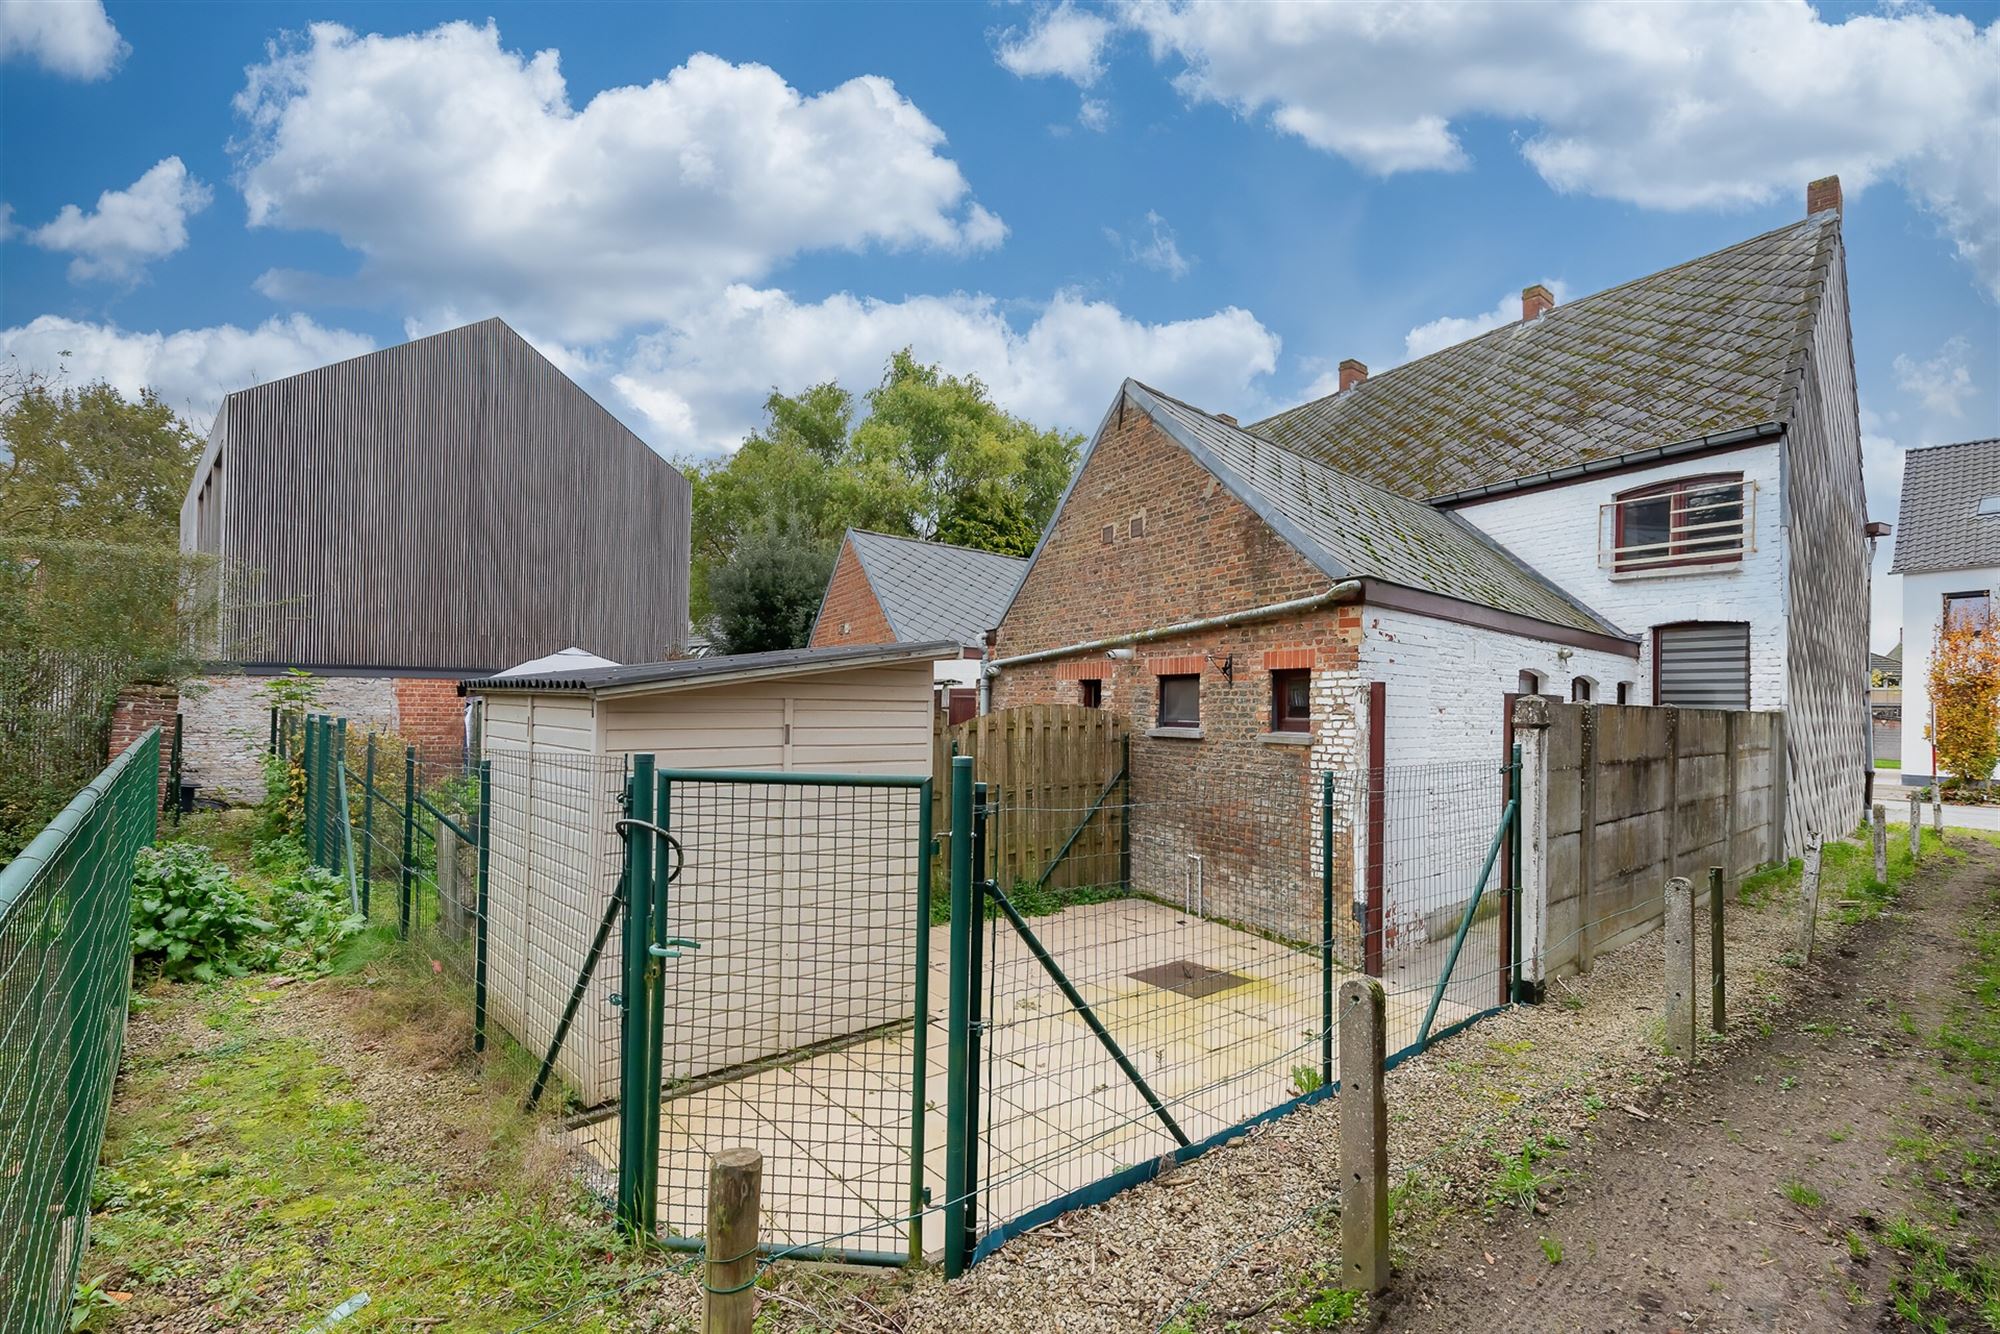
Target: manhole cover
[1188, 979]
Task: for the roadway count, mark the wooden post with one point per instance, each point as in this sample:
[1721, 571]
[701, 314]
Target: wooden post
[1937, 811]
[1916, 829]
[1881, 823]
[1715, 949]
[1809, 898]
[1364, 1137]
[729, 1296]
[1678, 935]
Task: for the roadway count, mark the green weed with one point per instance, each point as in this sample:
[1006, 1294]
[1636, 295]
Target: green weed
[1552, 1250]
[1799, 1193]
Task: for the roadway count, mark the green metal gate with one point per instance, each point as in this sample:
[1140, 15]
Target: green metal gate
[775, 993]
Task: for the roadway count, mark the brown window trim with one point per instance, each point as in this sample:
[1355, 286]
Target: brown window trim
[1281, 719]
[1673, 490]
[1090, 692]
[1976, 595]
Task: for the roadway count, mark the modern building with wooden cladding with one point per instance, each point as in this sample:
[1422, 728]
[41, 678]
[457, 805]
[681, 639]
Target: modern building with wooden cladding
[436, 510]
[451, 505]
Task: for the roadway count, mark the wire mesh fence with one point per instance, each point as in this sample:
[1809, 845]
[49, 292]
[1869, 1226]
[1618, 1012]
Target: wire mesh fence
[793, 945]
[1118, 1022]
[65, 972]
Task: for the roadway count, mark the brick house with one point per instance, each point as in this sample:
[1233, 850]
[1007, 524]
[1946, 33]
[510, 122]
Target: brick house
[1623, 499]
[901, 590]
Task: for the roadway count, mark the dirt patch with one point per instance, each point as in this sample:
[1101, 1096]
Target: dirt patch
[1763, 1191]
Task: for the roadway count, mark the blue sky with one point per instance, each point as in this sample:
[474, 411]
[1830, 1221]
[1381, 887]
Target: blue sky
[686, 206]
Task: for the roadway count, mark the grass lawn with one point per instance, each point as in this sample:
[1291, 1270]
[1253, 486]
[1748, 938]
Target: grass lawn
[1888, 764]
[246, 1177]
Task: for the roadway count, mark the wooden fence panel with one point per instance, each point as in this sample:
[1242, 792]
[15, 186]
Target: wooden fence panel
[1046, 766]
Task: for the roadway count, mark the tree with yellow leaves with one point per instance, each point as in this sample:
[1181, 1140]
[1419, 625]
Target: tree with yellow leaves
[1965, 697]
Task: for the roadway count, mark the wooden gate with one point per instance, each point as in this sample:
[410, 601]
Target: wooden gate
[1057, 778]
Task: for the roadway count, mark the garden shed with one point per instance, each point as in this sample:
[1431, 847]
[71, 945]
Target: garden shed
[790, 954]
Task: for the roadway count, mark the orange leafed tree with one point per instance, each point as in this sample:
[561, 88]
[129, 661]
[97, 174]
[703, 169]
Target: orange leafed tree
[1965, 697]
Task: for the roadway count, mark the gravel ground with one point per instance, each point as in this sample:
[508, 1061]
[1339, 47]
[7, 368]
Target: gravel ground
[1244, 1234]
[1247, 1233]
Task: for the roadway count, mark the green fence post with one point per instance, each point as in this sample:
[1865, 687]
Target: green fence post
[479, 925]
[174, 773]
[1326, 929]
[957, 1024]
[310, 831]
[633, 1210]
[409, 837]
[654, 1046]
[920, 1024]
[367, 822]
[337, 785]
[1515, 990]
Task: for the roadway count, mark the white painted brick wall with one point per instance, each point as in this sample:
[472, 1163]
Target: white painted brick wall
[1556, 531]
[226, 726]
[1445, 681]
[1923, 608]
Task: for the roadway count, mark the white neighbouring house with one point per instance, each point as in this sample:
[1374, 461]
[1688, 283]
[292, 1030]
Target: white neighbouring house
[1948, 552]
[1650, 495]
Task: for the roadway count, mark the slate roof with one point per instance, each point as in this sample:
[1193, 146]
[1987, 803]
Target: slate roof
[713, 670]
[1939, 526]
[1706, 347]
[933, 590]
[1352, 529]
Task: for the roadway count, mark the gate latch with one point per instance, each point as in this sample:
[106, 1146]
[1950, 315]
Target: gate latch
[671, 947]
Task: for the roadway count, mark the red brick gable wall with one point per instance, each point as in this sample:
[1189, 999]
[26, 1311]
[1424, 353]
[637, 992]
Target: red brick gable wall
[1199, 551]
[1234, 806]
[850, 614]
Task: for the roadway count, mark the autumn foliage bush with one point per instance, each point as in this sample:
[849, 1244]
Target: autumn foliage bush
[1965, 698]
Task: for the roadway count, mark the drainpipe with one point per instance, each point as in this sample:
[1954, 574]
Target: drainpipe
[986, 673]
[1347, 590]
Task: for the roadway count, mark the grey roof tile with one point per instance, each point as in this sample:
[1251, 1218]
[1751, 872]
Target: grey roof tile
[1708, 346]
[932, 590]
[1350, 528]
[1939, 526]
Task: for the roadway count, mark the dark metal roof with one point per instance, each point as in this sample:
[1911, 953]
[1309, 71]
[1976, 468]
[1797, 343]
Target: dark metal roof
[933, 590]
[1710, 346]
[1350, 529]
[714, 670]
[1939, 526]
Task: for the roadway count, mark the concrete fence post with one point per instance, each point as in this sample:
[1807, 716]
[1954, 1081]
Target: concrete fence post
[735, 1188]
[1678, 935]
[1809, 898]
[1937, 811]
[1531, 733]
[1881, 827]
[1916, 829]
[1364, 1137]
[1715, 950]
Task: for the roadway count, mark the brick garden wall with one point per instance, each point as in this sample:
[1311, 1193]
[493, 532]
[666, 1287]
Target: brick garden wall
[138, 708]
[850, 613]
[430, 715]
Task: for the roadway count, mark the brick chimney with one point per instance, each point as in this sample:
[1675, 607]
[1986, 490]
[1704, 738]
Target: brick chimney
[1536, 301]
[1352, 373]
[1823, 194]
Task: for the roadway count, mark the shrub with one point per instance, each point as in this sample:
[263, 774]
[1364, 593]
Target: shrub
[190, 916]
[311, 917]
[282, 813]
[1965, 698]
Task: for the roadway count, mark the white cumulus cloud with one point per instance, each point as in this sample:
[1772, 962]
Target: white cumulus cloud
[1446, 330]
[1941, 383]
[461, 174]
[190, 369]
[1064, 42]
[145, 221]
[1670, 105]
[68, 37]
[700, 385]
[1159, 248]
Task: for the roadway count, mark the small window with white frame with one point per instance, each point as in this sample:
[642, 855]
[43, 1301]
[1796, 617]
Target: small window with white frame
[1684, 525]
